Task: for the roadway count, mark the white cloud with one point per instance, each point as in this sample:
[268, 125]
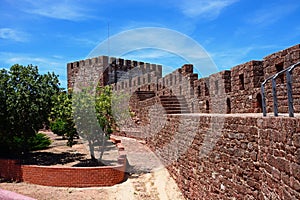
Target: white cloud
[209, 9]
[173, 42]
[12, 34]
[59, 9]
[271, 13]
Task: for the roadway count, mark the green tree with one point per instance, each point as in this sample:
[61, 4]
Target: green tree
[25, 104]
[93, 117]
[61, 117]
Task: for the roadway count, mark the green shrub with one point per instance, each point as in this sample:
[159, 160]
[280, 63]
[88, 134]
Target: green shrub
[16, 145]
[61, 117]
[58, 127]
[25, 105]
[39, 141]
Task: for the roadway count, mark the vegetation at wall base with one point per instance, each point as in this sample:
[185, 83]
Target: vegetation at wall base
[25, 104]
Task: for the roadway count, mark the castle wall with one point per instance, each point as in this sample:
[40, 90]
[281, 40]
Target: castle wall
[274, 63]
[201, 92]
[126, 74]
[237, 89]
[248, 157]
[246, 82]
[240, 155]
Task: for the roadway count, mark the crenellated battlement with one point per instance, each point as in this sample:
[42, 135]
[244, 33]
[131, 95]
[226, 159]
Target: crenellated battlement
[238, 88]
[238, 155]
[112, 70]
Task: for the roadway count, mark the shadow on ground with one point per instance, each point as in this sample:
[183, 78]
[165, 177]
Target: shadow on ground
[48, 158]
[89, 163]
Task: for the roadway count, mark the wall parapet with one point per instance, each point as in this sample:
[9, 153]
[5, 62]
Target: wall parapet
[253, 157]
[238, 87]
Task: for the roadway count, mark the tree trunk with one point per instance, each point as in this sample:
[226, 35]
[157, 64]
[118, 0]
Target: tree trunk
[102, 147]
[92, 150]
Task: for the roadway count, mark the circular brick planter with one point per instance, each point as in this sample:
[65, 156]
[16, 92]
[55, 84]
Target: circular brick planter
[66, 176]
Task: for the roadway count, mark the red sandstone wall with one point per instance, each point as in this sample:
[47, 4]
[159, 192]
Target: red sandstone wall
[201, 92]
[274, 63]
[244, 97]
[246, 82]
[253, 157]
[110, 70]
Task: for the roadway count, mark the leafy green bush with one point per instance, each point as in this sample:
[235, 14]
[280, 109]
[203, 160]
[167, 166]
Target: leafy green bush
[12, 147]
[25, 105]
[61, 117]
[39, 141]
[58, 127]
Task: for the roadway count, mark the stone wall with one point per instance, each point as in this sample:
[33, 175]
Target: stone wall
[226, 151]
[237, 89]
[275, 63]
[123, 74]
[251, 157]
[246, 82]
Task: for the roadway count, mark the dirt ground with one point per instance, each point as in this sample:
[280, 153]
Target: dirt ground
[144, 181]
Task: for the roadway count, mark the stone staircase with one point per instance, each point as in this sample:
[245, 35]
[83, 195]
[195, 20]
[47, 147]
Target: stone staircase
[174, 104]
[138, 96]
[143, 95]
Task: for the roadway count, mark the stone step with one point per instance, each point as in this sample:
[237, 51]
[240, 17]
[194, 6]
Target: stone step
[172, 97]
[174, 104]
[176, 100]
[176, 111]
[144, 92]
[143, 95]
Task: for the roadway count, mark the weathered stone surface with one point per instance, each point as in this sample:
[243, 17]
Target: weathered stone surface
[214, 154]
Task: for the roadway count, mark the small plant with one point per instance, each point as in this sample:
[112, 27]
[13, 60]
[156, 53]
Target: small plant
[11, 147]
[93, 117]
[58, 127]
[39, 141]
[61, 117]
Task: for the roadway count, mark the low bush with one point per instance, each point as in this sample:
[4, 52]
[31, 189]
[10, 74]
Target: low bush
[18, 145]
[39, 141]
[58, 127]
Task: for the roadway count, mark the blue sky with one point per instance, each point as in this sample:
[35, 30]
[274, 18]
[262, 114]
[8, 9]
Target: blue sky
[51, 33]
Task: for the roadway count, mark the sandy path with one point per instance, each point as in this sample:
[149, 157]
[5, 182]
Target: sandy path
[155, 185]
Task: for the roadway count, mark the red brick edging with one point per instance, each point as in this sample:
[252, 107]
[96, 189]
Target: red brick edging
[66, 176]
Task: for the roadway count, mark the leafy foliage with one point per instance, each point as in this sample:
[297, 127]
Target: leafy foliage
[38, 142]
[61, 117]
[25, 104]
[103, 109]
[93, 116]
